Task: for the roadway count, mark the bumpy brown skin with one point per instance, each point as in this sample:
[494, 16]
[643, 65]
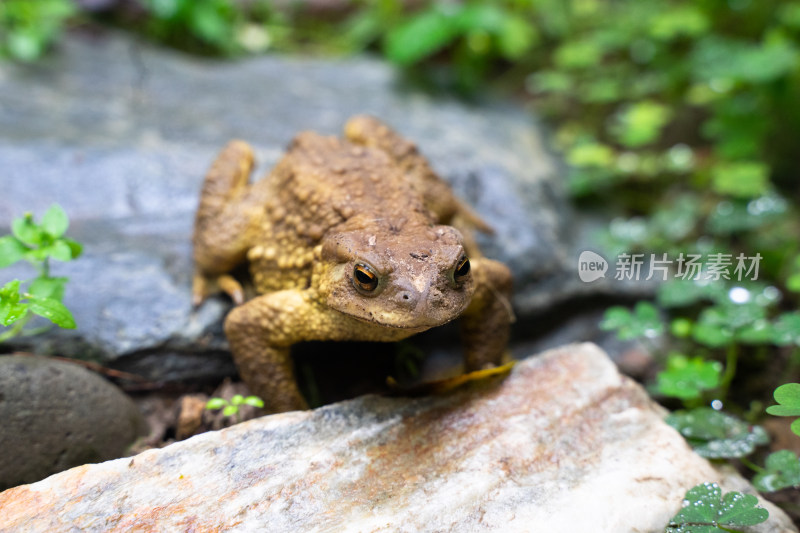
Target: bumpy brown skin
[328, 206]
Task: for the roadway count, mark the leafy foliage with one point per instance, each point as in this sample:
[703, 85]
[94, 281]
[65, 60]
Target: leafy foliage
[37, 244]
[707, 510]
[717, 435]
[782, 471]
[788, 398]
[27, 28]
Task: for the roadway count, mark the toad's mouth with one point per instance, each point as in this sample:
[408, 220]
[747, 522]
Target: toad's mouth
[413, 326]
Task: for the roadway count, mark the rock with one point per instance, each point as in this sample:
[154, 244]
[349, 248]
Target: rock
[58, 415]
[563, 444]
[121, 133]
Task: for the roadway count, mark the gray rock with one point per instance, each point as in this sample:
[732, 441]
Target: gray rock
[58, 415]
[121, 134]
[563, 444]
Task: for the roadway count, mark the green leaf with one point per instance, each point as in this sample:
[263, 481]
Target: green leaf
[216, 403]
[759, 332]
[59, 250]
[10, 291]
[25, 44]
[793, 282]
[516, 37]
[687, 378]
[48, 288]
[640, 123]
[27, 231]
[11, 250]
[421, 36]
[230, 410]
[237, 399]
[11, 312]
[788, 398]
[718, 58]
[75, 248]
[578, 54]
[705, 512]
[55, 221]
[786, 330]
[209, 22]
[644, 321]
[716, 435]
[53, 310]
[685, 20]
[782, 471]
[744, 179]
[591, 155]
[254, 401]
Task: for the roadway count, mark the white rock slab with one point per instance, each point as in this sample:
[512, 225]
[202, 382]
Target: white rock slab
[563, 444]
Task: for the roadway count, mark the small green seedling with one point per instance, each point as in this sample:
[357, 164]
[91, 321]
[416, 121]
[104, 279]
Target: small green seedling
[231, 408]
[716, 435]
[706, 510]
[37, 244]
[788, 398]
[643, 321]
[687, 378]
[782, 471]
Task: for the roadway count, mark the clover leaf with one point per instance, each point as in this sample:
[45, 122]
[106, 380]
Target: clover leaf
[788, 398]
[706, 510]
[782, 471]
[716, 435]
[644, 321]
[687, 378]
[786, 330]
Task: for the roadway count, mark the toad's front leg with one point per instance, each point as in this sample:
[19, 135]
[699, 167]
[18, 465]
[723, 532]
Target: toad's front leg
[486, 322]
[262, 330]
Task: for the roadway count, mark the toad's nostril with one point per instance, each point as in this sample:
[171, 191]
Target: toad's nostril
[405, 298]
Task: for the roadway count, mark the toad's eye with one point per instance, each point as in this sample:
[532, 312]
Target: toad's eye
[364, 278]
[462, 270]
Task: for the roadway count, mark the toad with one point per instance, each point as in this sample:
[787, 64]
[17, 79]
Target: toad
[346, 239]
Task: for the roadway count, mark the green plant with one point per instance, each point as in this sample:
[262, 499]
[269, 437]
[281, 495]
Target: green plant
[28, 27]
[788, 398]
[207, 25]
[717, 435]
[782, 470]
[688, 378]
[231, 408]
[707, 510]
[644, 321]
[37, 244]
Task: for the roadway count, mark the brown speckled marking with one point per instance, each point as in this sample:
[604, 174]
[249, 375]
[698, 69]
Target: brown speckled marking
[328, 205]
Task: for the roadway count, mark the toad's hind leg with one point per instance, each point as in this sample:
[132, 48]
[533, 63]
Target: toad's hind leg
[221, 224]
[436, 193]
[486, 322]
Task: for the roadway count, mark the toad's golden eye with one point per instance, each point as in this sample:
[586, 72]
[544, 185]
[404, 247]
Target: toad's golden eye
[462, 270]
[364, 277]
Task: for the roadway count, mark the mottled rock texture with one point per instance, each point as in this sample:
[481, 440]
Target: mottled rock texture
[563, 444]
[57, 415]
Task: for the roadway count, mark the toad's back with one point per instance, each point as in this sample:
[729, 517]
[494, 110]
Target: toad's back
[321, 183]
